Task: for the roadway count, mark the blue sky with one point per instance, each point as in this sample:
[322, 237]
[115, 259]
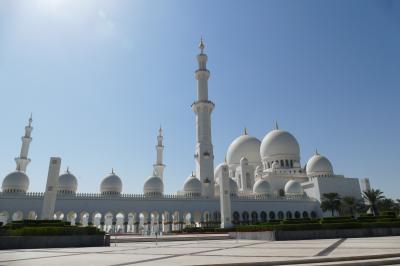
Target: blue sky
[101, 76]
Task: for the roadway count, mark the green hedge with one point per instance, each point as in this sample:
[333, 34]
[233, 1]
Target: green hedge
[46, 227]
[67, 230]
[316, 226]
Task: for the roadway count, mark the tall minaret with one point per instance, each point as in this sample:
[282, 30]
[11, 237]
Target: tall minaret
[23, 160]
[159, 166]
[203, 107]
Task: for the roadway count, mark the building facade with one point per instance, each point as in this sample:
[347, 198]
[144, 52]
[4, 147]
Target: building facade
[264, 179]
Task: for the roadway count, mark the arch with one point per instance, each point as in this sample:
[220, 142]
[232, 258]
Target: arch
[71, 217]
[206, 218]
[254, 217]
[96, 219]
[144, 223]
[272, 215]
[17, 216]
[32, 215]
[305, 214]
[281, 216]
[108, 222]
[236, 217]
[313, 215]
[263, 216]
[4, 216]
[245, 217]
[217, 217]
[297, 215]
[119, 222]
[59, 215]
[289, 215]
[84, 218]
[197, 218]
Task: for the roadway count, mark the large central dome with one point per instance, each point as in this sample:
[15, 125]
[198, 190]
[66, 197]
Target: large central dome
[279, 144]
[244, 146]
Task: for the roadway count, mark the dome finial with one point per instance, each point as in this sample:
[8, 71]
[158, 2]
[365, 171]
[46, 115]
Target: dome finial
[112, 170]
[68, 169]
[276, 125]
[18, 167]
[245, 131]
[316, 151]
[201, 45]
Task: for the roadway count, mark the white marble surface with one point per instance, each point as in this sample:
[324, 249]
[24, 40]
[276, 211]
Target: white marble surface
[197, 252]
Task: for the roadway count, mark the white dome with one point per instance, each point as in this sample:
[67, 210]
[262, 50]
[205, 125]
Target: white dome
[111, 184]
[192, 186]
[293, 188]
[16, 181]
[319, 165]
[153, 186]
[279, 143]
[233, 187]
[262, 187]
[67, 183]
[244, 146]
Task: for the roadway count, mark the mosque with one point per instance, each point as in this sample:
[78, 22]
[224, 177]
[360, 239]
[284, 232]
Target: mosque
[263, 179]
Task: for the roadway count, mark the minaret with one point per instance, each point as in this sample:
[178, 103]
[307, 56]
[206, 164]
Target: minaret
[159, 166]
[203, 107]
[22, 161]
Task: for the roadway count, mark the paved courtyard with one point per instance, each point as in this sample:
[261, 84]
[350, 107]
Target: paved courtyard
[203, 252]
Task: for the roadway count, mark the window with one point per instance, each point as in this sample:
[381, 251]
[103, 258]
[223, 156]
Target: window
[297, 215]
[280, 215]
[287, 163]
[313, 214]
[263, 216]
[272, 215]
[288, 215]
[254, 217]
[282, 163]
[305, 214]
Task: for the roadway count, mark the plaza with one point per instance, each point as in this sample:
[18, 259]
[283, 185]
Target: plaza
[354, 251]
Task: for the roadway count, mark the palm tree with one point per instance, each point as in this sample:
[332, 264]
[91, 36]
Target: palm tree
[331, 202]
[350, 205]
[373, 196]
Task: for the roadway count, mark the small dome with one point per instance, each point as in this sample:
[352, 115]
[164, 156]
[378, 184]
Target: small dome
[192, 186]
[279, 143]
[67, 183]
[244, 146]
[262, 187]
[153, 186]
[111, 184]
[16, 181]
[293, 188]
[319, 165]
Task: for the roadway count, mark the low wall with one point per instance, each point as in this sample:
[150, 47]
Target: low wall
[316, 234]
[18, 242]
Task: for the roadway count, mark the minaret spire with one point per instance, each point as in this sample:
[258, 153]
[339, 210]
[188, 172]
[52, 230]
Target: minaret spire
[158, 167]
[22, 161]
[203, 107]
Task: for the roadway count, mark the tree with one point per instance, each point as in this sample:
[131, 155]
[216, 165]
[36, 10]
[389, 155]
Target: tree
[386, 205]
[373, 196]
[350, 205]
[331, 202]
